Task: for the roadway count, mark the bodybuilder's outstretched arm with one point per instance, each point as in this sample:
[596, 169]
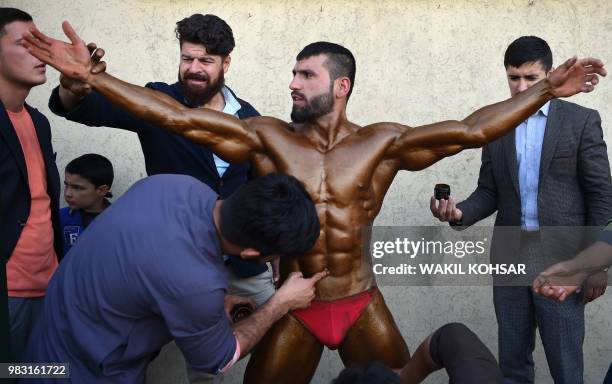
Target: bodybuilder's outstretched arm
[417, 148]
[228, 136]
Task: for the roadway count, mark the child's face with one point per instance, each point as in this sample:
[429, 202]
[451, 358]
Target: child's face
[80, 193]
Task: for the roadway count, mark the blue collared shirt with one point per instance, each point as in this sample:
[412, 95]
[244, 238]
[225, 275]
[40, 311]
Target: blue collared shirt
[134, 282]
[529, 138]
[231, 108]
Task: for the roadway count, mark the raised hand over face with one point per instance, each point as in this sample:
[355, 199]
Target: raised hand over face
[576, 75]
[81, 89]
[71, 59]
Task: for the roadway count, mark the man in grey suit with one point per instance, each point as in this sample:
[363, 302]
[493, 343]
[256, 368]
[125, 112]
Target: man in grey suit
[552, 170]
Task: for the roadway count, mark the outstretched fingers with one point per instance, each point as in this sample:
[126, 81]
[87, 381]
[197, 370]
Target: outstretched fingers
[30, 41]
[71, 33]
[586, 88]
[568, 64]
[593, 79]
[590, 81]
[36, 51]
[40, 37]
[592, 69]
[593, 65]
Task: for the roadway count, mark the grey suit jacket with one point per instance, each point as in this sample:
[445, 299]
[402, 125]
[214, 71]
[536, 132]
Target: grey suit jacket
[574, 189]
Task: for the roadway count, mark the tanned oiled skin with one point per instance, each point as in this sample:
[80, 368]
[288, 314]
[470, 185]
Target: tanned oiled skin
[346, 169]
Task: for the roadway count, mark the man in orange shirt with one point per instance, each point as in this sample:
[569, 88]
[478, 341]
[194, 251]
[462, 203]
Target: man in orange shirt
[29, 191]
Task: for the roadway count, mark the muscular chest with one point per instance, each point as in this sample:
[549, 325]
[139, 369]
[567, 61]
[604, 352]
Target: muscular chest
[338, 175]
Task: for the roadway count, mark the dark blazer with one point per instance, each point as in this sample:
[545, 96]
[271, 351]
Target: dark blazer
[15, 196]
[574, 187]
[167, 152]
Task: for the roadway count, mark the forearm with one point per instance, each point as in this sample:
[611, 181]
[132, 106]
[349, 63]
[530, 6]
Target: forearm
[144, 103]
[250, 330]
[420, 147]
[96, 111]
[68, 99]
[494, 121]
[594, 259]
[420, 365]
[227, 136]
[594, 172]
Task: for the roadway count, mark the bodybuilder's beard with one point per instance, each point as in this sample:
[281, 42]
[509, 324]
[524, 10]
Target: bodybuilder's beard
[319, 105]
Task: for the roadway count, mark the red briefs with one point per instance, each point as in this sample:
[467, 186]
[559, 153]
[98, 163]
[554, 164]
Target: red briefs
[329, 321]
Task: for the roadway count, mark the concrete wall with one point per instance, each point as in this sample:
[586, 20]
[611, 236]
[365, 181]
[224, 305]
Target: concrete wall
[417, 62]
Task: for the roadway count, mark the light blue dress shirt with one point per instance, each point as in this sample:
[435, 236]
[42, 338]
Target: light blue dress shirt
[529, 138]
[232, 106]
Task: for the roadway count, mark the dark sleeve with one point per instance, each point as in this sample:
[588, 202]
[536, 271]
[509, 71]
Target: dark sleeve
[606, 234]
[246, 109]
[200, 329]
[483, 201]
[594, 172]
[466, 359]
[4, 316]
[96, 111]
